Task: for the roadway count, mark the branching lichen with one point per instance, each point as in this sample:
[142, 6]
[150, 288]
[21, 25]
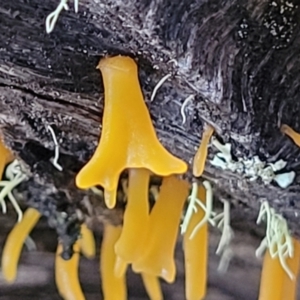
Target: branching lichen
[52, 17]
[278, 239]
[15, 176]
[192, 207]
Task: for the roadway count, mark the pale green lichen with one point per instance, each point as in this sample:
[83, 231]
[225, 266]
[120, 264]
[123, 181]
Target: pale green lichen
[278, 240]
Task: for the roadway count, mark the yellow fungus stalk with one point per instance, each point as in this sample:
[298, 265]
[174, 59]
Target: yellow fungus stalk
[152, 286]
[113, 287]
[87, 242]
[295, 136]
[275, 283]
[127, 132]
[66, 274]
[195, 253]
[14, 243]
[201, 154]
[158, 253]
[6, 157]
[290, 286]
[136, 216]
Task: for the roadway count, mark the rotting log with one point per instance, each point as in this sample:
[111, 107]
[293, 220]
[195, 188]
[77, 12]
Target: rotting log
[238, 58]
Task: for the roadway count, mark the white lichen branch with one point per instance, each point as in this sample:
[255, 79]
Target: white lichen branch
[52, 17]
[278, 240]
[183, 106]
[56, 149]
[224, 248]
[208, 209]
[159, 84]
[192, 208]
[15, 176]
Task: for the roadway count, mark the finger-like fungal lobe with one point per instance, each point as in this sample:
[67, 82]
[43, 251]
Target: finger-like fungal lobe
[152, 286]
[295, 136]
[196, 253]
[133, 236]
[14, 243]
[87, 242]
[275, 283]
[158, 253]
[66, 274]
[6, 157]
[127, 132]
[201, 154]
[113, 287]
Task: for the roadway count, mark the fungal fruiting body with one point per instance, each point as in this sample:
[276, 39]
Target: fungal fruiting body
[87, 242]
[136, 216]
[152, 286]
[113, 287]
[127, 131]
[6, 157]
[66, 274]
[195, 253]
[295, 136]
[158, 253]
[14, 244]
[275, 283]
[201, 154]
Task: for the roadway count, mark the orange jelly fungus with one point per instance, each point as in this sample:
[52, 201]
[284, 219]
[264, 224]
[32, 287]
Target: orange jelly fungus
[275, 284]
[152, 286]
[136, 216]
[113, 287]
[14, 244]
[6, 157]
[128, 138]
[158, 253]
[295, 136]
[87, 242]
[66, 274]
[195, 254]
[201, 154]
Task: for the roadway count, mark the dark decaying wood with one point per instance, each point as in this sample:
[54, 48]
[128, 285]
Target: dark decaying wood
[240, 60]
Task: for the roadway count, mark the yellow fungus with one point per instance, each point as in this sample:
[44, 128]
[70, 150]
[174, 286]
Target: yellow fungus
[295, 136]
[136, 216]
[290, 286]
[152, 286]
[14, 243]
[127, 132]
[195, 253]
[6, 157]
[201, 154]
[87, 242]
[66, 274]
[120, 267]
[158, 253]
[114, 288]
[275, 283]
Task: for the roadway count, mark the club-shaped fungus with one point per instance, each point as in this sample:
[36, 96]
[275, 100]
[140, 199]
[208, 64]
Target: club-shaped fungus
[132, 239]
[66, 274]
[113, 287]
[158, 253]
[195, 253]
[6, 157]
[201, 154]
[295, 136]
[14, 243]
[275, 283]
[87, 242]
[128, 139]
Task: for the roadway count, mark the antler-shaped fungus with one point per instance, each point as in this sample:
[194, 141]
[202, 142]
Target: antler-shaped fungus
[128, 138]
